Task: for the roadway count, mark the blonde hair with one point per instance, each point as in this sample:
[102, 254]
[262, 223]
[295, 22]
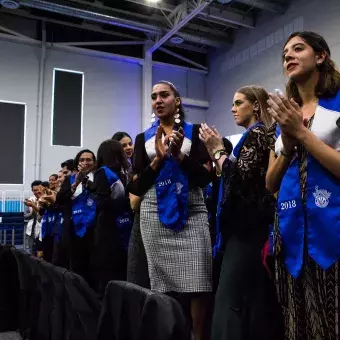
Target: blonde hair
[256, 93]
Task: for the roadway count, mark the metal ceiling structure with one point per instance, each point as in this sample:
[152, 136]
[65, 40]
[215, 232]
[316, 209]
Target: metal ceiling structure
[171, 33]
[176, 31]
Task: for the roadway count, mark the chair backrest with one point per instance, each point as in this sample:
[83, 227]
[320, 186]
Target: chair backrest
[9, 290]
[83, 307]
[131, 312]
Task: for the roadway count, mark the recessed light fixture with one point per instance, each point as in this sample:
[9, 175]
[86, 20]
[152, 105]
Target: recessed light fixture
[176, 40]
[154, 1]
[10, 4]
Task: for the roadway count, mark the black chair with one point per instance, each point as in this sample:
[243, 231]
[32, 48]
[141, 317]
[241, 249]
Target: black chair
[29, 294]
[82, 308]
[131, 312]
[9, 290]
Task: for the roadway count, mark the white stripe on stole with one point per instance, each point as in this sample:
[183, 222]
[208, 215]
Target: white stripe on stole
[324, 127]
[150, 147]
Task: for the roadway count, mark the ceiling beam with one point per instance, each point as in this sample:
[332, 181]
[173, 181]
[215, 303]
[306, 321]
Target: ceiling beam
[227, 17]
[89, 15]
[265, 5]
[115, 21]
[180, 57]
[157, 18]
[99, 43]
[17, 34]
[212, 14]
[208, 30]
[184, 46]
[96, 28]
[85, 26]
[199, 7]
[93, 53]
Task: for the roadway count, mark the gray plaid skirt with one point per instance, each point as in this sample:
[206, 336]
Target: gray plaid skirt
[177, 261]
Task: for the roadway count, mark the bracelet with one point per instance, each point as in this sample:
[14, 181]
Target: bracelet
[285, 154]
[219, 150]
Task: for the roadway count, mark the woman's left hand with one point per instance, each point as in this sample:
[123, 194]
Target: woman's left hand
[211, 138]
[288, 114]
[176, 139]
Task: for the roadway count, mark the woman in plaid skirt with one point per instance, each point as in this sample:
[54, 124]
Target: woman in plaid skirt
[172, 165]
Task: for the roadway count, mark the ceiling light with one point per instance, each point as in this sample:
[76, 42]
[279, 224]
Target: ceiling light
[154, 1]
[10, 4]
[176, 40]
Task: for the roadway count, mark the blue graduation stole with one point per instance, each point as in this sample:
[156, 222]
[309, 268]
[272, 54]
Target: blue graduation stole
[83, 210]
[47, 223]
[124, 217]
[318, 222]
[218, 242]
[172, 186]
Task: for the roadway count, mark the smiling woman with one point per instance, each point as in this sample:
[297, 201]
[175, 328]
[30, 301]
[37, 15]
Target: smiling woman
[305, 170]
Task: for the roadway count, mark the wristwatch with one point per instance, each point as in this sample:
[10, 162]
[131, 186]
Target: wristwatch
[218, 154]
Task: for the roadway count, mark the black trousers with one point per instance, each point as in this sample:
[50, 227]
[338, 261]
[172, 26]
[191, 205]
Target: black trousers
[47, 247]
[61, 256]
[80, 254]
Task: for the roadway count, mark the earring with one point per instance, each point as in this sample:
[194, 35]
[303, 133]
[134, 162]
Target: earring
[153, 117]
[177, 117]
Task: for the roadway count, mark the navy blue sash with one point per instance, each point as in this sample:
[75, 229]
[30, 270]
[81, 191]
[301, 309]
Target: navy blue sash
[124, 218]
[83, 210]
[172, 187]
[318, 221]
[47, 223]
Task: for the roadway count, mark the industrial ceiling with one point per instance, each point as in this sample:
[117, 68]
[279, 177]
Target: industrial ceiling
[175, 31]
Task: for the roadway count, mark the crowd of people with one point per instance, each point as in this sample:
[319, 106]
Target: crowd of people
[218, 228]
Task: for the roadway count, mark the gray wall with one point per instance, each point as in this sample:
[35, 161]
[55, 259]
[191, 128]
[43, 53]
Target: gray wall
[239, 66]
[112, 98]
[189, 84]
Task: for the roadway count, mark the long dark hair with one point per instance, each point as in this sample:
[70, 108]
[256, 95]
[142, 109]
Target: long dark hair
[111, 154]
[329, 80]
[76, 160]
[177, 95]
[118, 136]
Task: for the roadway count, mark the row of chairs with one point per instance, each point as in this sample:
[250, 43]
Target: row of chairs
[50, 303]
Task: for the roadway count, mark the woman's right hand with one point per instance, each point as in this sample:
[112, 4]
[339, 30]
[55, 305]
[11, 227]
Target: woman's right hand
[161, 147]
